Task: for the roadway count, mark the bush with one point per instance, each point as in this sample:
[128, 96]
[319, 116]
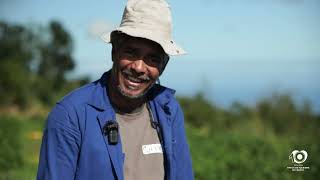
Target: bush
[245, 156]
[11, 145]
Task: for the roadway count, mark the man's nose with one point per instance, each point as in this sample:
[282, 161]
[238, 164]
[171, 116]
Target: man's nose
[139, 66]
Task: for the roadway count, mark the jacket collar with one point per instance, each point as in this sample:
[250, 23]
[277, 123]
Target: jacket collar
[100, 98]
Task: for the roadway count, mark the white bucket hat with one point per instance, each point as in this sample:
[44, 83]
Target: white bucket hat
[150, 19]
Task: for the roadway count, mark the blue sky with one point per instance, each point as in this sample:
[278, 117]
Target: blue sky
[237, 49]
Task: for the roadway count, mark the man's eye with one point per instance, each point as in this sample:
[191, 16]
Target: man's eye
[129, 53]
[155, 59]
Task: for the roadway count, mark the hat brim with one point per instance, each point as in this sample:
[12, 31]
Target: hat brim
[169, 46]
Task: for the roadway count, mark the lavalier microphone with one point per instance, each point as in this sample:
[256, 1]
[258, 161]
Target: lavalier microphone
[111, 130]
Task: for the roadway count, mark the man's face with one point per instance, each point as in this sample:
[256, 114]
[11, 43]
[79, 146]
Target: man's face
[137, 64]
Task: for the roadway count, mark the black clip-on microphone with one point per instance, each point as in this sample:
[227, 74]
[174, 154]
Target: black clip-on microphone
[111, 130]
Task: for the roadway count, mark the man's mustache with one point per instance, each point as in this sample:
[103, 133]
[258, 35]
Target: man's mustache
[131, 73]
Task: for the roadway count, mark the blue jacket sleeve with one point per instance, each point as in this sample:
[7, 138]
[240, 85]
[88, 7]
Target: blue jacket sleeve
[181, 150]
[60, 146]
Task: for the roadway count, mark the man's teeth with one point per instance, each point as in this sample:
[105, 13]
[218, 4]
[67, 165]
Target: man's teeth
[132, 87]
[135, 80]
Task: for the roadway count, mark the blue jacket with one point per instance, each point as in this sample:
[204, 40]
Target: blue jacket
[75, 147]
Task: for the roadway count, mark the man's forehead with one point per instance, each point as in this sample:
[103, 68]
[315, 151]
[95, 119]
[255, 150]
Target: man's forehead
[142, 43]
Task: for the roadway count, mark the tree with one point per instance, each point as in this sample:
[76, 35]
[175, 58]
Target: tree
[34, 63]
[56, 59]
[15, 58]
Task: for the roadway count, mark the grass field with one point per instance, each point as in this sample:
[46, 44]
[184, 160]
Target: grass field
[241, 154]
[29, 132]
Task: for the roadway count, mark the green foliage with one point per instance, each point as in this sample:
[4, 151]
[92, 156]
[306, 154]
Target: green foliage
[210, 114]
[245, 142]
[11, 155]
[241, 142]
[56, 56]
[245, 156]
[20, 139]
[277, 114]
[34, 62]
[15, 56]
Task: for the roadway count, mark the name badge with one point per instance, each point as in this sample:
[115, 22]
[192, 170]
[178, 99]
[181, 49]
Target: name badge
[151, 148]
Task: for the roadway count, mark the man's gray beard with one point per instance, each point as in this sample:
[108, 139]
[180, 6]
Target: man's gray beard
[133, 97]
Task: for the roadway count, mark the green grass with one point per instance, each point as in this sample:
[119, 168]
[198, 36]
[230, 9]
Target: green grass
[240, 154]
[30, 140]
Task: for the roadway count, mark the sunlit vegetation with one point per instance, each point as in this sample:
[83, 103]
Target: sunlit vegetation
[239, 142]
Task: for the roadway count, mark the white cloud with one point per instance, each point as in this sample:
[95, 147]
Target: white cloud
[98, 27]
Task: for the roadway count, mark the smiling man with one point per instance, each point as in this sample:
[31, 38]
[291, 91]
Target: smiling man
[124, 125]
[138, 63]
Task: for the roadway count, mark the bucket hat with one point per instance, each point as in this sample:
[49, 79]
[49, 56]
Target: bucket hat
[149, 19]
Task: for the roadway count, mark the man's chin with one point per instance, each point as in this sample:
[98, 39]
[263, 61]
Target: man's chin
[130, 94]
